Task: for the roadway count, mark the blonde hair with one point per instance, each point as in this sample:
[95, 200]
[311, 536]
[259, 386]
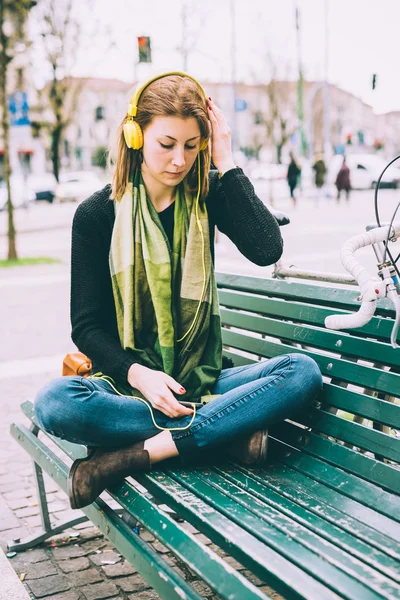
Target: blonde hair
[172, 95]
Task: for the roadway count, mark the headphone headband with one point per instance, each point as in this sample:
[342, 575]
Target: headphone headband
[133, 106]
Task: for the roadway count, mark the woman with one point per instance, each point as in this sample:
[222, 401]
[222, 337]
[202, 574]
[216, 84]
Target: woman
[144, 302]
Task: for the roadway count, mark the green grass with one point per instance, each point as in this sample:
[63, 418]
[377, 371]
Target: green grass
[33, 260]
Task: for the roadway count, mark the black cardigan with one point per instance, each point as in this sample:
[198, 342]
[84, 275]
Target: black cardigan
[232, 206]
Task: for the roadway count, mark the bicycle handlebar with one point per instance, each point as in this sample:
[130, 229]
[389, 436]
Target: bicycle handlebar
[368, 287]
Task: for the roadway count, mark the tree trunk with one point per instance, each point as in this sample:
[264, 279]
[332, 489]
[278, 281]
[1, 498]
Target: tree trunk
[12, 248]
[55, 151]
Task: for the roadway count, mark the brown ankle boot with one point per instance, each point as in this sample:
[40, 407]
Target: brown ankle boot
[102, 468]
[251, 450]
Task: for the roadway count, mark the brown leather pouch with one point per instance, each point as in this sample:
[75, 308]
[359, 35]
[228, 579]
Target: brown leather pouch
[76, 363]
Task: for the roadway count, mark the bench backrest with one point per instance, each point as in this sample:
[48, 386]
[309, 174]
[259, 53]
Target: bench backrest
[355, 421]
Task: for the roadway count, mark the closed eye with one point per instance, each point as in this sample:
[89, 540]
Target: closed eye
[169, 146]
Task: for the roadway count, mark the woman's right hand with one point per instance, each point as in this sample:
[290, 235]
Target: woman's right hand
[156, 387]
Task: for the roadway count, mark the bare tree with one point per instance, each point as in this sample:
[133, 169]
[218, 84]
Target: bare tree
[280, 120]
[15, 13]
[58, 39]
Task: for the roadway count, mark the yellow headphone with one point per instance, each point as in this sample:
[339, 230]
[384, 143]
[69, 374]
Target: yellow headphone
[133, 133]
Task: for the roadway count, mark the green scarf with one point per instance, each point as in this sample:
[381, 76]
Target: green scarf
[166, 298]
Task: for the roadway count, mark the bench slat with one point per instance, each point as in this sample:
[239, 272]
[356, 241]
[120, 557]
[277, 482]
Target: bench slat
[375, 409]
[361, 465]
[304, 494]
[293, 290]
[282, 543]
[349, 485]
[346, 510]
[315, 515]
[269, 516]
[358, 435]
[336, 368]
[307, 335]
[174, 489]
[301, 312]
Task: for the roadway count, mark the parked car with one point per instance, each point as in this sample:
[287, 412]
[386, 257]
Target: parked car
[365, 170]
[21, 193]
[44, 186]
[77, 186]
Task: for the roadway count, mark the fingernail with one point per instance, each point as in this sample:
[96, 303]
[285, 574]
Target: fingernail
[182, 390]
[209, 108]
[210, 98]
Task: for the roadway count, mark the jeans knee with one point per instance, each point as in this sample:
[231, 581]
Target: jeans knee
[309, 374]
[49, 402]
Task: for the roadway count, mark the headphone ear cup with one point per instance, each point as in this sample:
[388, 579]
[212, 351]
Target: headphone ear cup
[204, 145]
[133, 135]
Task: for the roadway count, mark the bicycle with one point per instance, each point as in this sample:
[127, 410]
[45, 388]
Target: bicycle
[386, 285]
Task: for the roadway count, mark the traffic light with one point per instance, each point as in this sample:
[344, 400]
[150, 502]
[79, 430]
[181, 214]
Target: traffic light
[373, 81]
[348, 139]
[144, 49]
[378, 145]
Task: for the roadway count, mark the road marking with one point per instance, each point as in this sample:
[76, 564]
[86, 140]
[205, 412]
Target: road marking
[31, 366]
[43, 280]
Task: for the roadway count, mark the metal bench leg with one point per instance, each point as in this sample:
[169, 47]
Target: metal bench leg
[48, 531]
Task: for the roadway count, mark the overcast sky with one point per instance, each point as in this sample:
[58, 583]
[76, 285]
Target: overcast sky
[360, 40]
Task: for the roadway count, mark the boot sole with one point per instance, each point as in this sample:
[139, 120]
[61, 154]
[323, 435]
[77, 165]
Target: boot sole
[70, 482]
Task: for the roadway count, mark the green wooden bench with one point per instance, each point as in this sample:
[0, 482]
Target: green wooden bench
[320, 522]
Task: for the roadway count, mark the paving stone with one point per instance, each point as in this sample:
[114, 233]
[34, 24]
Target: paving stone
[31, 556]
[41, 569]
[134, 583]
[8, 521]
[251, 577]
[98, 591]
[105, 557]
[74, 564]
[87, 577]
[64, 552]
[96, 544]
[146, 535]
[271, 593]
[28, 511]
[235, 564]
[65, 596]
[159, 547]
[49, 585]
[200, 537]
[15, 503]
[18, 493]
[146, 595]
[189, 527]
[202, 588]
[119, 569]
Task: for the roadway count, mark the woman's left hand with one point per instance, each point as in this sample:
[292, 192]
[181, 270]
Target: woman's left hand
[221, 143]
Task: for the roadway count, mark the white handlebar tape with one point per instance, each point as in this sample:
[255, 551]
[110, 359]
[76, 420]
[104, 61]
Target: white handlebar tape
[361, 275]
[358, 319]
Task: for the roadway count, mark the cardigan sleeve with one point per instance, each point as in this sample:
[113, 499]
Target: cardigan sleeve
[241, 215]
[92, 307]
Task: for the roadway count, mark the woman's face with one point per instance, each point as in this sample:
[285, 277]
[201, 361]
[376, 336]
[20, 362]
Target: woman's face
[170, 147]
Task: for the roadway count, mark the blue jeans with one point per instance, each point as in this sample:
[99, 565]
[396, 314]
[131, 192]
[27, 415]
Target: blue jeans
[89, 412]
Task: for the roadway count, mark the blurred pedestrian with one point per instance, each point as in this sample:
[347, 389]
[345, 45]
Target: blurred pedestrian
[343, 180]
[293, 175]
[319, 167]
